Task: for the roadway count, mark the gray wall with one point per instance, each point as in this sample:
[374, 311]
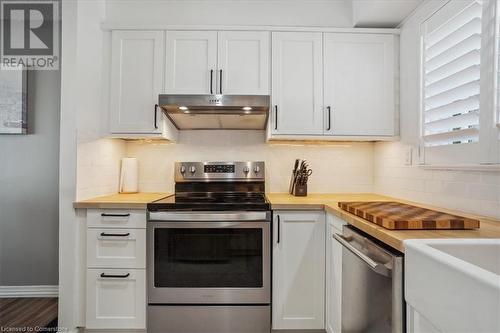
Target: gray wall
[29, 195]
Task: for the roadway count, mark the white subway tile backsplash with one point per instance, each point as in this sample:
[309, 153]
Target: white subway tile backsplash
[469, 191]
[338, 167]
[98, 167]
[346, 167]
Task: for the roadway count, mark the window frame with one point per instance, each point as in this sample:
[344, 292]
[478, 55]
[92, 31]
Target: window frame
[487, 150]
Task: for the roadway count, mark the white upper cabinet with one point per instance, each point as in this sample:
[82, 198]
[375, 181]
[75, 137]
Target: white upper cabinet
[359, 84]
[136, 81]
[297, 88]
[191, 62]
[243, 62]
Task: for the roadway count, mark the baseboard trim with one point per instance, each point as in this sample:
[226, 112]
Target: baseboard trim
[28, 291]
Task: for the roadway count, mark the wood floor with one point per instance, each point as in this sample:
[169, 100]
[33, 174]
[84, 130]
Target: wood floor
[27, 312]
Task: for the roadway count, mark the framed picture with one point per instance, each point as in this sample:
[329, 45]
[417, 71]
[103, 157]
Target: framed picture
[13, 100]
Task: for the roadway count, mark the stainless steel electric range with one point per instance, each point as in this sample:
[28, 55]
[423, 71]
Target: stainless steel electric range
[209, 251]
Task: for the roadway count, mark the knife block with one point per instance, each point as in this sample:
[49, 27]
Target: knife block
[300, 190]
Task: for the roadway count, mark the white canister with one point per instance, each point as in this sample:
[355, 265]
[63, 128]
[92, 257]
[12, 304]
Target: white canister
[129, 175]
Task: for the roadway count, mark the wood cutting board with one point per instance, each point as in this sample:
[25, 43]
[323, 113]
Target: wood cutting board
[399, 216]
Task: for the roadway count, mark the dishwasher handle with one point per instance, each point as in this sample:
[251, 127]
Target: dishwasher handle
[375, 266]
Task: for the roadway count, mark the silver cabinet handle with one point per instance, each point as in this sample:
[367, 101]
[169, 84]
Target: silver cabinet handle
[377, 267]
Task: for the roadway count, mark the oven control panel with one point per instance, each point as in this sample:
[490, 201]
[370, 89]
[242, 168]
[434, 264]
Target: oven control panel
[219, 171]
[219, 168]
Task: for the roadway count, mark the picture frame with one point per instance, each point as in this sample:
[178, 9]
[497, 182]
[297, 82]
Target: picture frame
[13, 100]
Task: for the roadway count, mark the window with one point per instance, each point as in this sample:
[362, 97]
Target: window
[451, 75]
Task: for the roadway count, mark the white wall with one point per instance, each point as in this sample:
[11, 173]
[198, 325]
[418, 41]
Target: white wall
[29, 194]
[341, 167]
[328, 13]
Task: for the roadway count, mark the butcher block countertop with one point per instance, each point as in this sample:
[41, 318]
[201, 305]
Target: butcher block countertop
[489, 228]
[122, 200]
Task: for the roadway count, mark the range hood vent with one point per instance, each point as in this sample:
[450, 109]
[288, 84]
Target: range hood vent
[202, 112]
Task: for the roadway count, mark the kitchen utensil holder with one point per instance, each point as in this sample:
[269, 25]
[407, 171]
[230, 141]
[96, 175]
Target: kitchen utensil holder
[300, 190]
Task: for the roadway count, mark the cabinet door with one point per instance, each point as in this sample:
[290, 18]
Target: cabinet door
[191, 62]
[136, 81]
[333, 276]
[359, 85]
[297, 83]
[116, 299]
[243, 62]
[298, 270]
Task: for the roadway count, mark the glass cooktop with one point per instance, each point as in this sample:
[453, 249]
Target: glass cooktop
[212, 201]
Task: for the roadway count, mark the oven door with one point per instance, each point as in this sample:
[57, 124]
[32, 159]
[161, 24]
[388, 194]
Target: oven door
[223, 259]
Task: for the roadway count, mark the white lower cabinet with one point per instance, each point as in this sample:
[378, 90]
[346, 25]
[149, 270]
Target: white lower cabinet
[333, 276]
[298, 270]
[116, 274]
[416, 323]
[116, 299]
[116, 248]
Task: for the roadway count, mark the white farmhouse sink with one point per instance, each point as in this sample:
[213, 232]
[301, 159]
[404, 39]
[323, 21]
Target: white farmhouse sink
[454, 283]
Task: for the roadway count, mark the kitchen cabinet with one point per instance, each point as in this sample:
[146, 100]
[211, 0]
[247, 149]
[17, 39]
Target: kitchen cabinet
[211, 62]
[190, 62]
[333, 275]
[116, 248]
[116, 299]
[135, 82]
[297, 80]
[333, 86]
[417, 323]
[116, 275]
[243, 62]
[359, 84]
[298, 270]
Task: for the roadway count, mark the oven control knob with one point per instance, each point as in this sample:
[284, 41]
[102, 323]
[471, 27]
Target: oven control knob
[183, 169]
[192, 169]
[246, 170]
[256, 169]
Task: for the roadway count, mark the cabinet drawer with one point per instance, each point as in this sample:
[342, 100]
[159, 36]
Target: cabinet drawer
[116, 218]
[116, 299]
[116, 248]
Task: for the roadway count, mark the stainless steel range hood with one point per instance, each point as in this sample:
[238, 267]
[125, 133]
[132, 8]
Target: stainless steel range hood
[196, 112]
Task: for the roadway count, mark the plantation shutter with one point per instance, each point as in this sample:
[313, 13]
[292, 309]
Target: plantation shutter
[451, 77]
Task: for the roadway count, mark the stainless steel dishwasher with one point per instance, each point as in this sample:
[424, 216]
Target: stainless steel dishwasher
[372, 284]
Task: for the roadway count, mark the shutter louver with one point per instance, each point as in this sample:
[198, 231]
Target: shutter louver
[452, 79]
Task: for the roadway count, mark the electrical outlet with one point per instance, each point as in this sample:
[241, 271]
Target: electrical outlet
[409, 155]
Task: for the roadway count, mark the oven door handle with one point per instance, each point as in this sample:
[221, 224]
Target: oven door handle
[208, 216]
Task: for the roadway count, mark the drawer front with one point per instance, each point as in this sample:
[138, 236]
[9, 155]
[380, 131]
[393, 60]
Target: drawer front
[116, 248]
[116, 218]
[116, 299]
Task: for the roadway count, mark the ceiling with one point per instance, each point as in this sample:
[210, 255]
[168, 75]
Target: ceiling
[381, 13]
